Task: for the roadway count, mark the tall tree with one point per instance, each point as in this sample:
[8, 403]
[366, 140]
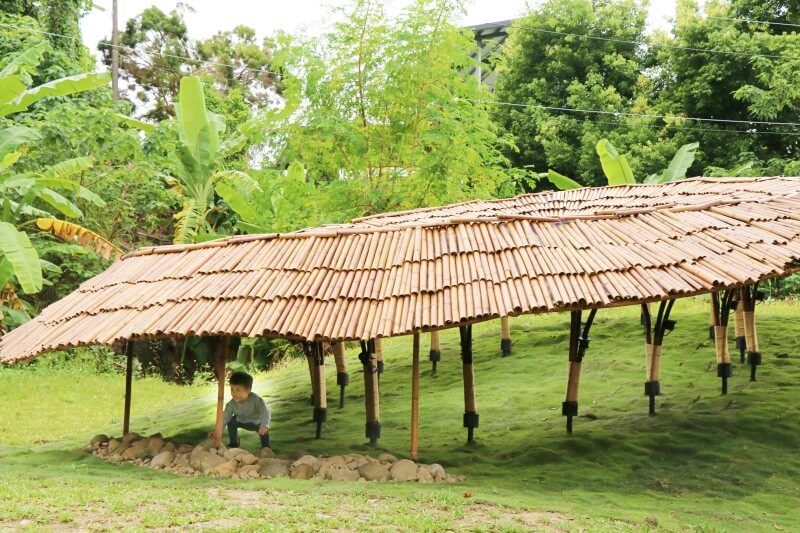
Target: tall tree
[386, 115]
[577, 54]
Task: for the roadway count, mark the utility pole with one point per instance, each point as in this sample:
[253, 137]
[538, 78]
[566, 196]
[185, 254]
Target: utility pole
[114, 52]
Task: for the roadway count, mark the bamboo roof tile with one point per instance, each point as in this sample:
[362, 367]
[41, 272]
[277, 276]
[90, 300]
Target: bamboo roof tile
[432, 268]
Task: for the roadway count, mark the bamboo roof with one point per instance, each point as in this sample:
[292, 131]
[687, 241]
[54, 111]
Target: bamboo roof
[434, 268]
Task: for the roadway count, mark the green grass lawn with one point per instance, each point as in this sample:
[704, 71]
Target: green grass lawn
[706, 462]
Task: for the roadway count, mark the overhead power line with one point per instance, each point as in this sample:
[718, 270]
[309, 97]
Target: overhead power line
[629, 114]
[754, 21]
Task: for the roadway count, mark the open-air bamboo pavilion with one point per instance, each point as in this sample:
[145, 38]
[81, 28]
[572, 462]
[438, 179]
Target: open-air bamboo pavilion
[431, 269]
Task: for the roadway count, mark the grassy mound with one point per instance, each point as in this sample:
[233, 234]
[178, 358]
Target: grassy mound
[705, 462]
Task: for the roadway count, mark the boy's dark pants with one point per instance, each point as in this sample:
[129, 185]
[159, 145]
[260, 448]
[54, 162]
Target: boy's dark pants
[233, 433]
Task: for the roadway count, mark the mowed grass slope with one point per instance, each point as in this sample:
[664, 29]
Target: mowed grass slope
[706, 462]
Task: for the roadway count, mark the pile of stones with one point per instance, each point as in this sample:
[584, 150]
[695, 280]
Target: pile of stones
[204, 459]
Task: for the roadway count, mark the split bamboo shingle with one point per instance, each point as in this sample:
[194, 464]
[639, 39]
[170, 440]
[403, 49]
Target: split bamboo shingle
[428, 269]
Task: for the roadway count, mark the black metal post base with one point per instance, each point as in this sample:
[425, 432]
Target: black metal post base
[569, 409]
[753, 359]
[741, 345]
[651, 390]
[434, 356]
[471, 421]
[320, 416]
[505, 346]
[724, 371]
[373, 431]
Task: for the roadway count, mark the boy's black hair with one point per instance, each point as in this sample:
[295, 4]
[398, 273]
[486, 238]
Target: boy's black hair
[242, 378]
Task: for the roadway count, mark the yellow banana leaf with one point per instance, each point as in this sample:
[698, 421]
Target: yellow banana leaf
[74, 233]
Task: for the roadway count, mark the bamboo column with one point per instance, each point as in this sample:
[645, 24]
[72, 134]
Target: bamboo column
[749, 296]
[342, 377]
[320, 390]
[220, 360]
[312, 368]
[471, 418]
[721, 311]
[379, 357]
[711, 321]
[415, 397]
[654, 338]
[126, 417]
[436, 351]
[505, 336]
[578, 343]
[738, 325]
[371, 390]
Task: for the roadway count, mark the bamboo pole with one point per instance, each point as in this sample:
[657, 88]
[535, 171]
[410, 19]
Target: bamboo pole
[436, 351]
[415, 398]
[738, 325]
[721, 308]
[311, 375]
[126, 417]
[371, 390]
[505, 336]
[321, 395]
[342, 377]
[220, 360]
[471, 418]
[711, 319]
[749, 296]
[570, 406]
[379, 357]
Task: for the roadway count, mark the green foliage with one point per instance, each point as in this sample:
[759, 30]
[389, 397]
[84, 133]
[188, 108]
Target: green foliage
[384, 114]
[678, 167]
[562, 182]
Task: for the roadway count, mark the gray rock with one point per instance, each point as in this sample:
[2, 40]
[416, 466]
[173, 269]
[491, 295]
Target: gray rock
[437, 471]
[310, 460]
[274, 468]
[225, 469]
[355, 461]
[302, 471]
[297, 454]
[387, 458]
[246, 458]
[130, 437]
[374, 471]
[423, 474]
[185, 448]
[404, 470]
[169, 446]
[98, 439]
[137, 450]
[339, 473]
[163, 459]
[265, 453]
[249, 471]
[335, 460]
[204, 461]
[230, 453]
[154, 445]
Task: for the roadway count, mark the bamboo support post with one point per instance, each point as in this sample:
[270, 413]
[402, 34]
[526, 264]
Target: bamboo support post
[342, 377]
[220, 361]
[505, 336]
[320, 390]
[379, 357]
[371, 390]
[654, 338]
[749, 296]
[471, 418]
[311, 374]
[415, 398]
[126, 416]
[738, 325]
[436, 351]
[711, 320]
[721, 307]
[578, 344]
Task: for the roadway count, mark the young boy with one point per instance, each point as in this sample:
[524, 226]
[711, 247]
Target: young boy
[246, 410]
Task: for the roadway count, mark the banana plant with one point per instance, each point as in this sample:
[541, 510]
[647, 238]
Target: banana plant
[618, 171]
[197, 164]
[19, 191]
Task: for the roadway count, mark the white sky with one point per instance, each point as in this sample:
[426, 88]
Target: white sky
[309, 16]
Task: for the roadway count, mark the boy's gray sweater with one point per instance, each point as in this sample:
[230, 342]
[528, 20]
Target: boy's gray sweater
[253, 410]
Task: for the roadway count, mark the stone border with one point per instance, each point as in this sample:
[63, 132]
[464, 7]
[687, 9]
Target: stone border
[203, 459]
